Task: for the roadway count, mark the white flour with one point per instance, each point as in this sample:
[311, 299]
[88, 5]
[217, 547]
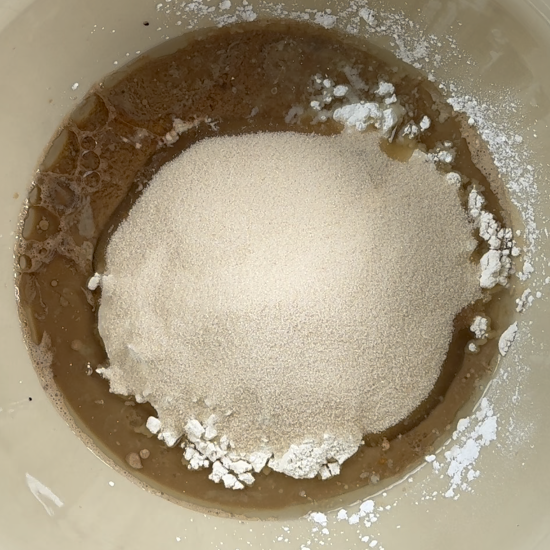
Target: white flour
[496, 264]
[507, 338]
[458, 462]
[480, 326]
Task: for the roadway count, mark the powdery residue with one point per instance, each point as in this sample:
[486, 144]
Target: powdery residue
[496, 263]
[408, 40]
[507, 338]
[362, 517]
[456, 467]
[511, 158]
[471, 435]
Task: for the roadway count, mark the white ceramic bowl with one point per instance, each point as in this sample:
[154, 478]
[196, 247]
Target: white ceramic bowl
[54, 493]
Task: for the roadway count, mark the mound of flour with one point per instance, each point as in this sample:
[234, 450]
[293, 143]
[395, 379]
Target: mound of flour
[290, 293]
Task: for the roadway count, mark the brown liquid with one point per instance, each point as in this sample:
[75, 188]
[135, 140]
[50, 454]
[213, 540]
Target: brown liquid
[96, 169]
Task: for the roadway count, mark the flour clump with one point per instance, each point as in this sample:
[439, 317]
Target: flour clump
[275, 297]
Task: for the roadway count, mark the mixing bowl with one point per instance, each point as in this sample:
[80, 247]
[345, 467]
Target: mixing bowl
[488, 486]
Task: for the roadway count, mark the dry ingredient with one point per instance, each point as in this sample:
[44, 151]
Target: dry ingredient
[507, 338]
[280, 321]
[496, 263]
[469, 440]
[480, 326]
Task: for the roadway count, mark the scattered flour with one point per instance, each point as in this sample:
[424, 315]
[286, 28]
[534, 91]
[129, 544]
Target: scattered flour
[361, 115]
[471, 435]
[363, 518]
[383, 115]
[425, 123]
[507, 338]
[508, 153]
[318, 517]
[525, 300]
[94, 281]
[496, 263]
